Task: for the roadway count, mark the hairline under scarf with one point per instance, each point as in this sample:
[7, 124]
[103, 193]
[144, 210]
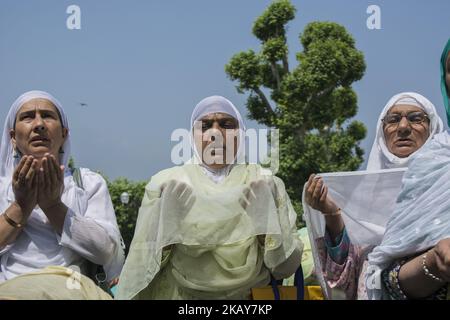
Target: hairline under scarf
[56, 108]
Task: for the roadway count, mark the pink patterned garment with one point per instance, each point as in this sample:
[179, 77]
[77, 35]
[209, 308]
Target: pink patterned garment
[348, 275]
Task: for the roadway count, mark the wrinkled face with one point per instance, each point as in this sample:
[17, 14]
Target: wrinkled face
[216, 139]
[38, 129]
[405, 137]
[447, 75]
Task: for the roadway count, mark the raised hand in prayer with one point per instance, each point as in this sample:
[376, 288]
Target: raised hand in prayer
[177, 197]
[317, 196]
[24, 184]
[252, 196]
[51, 182]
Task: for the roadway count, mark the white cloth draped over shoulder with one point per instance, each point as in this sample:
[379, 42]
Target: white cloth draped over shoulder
[421, 217]
[90, 230]
[367, 198]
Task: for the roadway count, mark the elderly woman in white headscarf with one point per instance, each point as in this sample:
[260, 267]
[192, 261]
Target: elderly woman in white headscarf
[47, 218]
[413, 260]
[406, 124]
[215, 227]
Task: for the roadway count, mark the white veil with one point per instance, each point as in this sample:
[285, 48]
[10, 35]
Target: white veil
[367, 198]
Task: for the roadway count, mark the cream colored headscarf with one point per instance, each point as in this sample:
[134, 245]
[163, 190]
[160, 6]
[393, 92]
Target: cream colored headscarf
[218, 104]
[216, 255]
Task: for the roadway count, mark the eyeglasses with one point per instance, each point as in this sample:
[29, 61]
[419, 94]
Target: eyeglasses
[415, 117]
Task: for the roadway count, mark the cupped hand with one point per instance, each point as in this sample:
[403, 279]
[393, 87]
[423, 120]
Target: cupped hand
[51, 182]
[25, 184]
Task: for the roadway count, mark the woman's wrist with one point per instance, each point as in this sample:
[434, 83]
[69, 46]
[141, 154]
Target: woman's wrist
[429, 266]
[24, 209]
[335, 225]
[52, 205]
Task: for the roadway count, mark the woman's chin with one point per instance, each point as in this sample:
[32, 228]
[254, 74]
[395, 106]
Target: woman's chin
[39, 152]
[404, 152]
[38, 155]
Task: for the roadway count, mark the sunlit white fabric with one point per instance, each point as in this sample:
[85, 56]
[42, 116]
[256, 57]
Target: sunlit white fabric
[421, 217]
[367, 198]
[90, 229]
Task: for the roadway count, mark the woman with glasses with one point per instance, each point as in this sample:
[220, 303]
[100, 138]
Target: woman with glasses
[413, 260]
[407, 122]
[201, 230]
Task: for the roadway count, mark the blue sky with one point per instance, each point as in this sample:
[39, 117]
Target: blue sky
[142, 65]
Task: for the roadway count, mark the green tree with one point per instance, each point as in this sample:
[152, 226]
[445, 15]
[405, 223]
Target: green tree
[71, 164]
[311, 104]
[126, 213]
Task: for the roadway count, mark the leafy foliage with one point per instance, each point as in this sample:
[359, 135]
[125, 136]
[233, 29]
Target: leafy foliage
[126, 213]
[312, 104]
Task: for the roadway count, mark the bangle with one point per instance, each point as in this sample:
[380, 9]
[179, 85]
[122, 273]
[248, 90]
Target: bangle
[427, 271]
[333, 214]
[11, 222]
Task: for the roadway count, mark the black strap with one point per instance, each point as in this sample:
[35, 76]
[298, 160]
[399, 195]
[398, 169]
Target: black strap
[299, 283]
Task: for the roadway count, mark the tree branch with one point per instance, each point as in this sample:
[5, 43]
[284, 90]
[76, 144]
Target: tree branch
[321, 93]
[275, 73]
[266, 102]
[285, 65]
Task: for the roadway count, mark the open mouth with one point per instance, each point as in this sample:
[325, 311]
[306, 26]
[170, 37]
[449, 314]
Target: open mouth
[39, 140]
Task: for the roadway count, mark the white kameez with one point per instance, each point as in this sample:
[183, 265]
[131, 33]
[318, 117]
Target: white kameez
[90, 230]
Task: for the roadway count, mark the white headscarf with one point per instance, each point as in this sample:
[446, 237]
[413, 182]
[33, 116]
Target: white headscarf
[218, 104]
[380, 157]
[421, 217]
[367, 198]
[7, 160]
[75, 199]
